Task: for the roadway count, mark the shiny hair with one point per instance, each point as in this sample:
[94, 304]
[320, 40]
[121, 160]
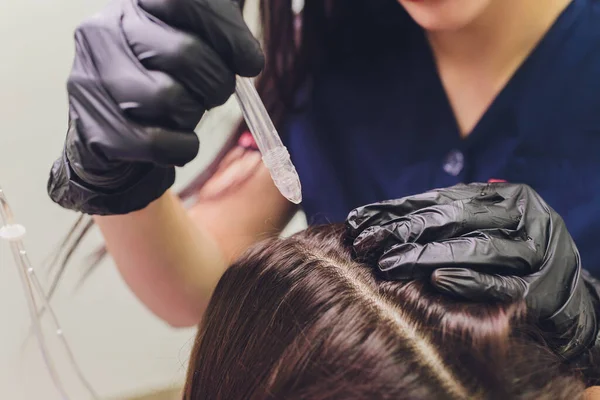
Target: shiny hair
[298, 318]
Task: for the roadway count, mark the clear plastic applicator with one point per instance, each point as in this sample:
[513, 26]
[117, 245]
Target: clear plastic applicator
[274, 154]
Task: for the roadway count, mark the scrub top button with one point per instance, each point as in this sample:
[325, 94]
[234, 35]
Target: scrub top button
[455, 161]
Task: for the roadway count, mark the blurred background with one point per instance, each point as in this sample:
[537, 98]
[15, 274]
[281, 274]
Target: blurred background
[124, 350]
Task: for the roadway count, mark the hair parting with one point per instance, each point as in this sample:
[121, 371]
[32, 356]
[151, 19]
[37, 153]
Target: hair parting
[298, 318]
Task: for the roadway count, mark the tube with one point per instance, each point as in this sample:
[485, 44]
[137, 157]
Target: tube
[14, 233]
[275, 155]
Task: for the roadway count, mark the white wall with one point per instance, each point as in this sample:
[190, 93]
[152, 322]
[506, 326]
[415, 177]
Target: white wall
[122, 348]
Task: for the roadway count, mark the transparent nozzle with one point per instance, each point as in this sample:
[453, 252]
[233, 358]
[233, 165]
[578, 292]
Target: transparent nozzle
[284, 173]
[275, 156]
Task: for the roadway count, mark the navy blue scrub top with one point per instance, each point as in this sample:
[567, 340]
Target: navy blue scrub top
[383, 128]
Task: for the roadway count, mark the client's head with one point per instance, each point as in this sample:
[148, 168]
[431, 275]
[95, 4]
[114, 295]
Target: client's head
[299, 319]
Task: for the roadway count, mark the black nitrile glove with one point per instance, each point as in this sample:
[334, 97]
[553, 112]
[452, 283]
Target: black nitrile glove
[145, 72]
[485, 242]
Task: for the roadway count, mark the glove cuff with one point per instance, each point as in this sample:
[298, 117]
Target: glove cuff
[593, 286]
[139, 186]
[577, 320]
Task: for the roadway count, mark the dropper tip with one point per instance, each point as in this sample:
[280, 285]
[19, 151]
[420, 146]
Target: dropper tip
[295, 199]
[288, 183]
[278, 162]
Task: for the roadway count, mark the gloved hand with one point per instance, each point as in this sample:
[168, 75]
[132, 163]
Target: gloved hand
[145, 72]
[485, 242]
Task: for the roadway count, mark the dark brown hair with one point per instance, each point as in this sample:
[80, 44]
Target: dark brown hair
[297, 318]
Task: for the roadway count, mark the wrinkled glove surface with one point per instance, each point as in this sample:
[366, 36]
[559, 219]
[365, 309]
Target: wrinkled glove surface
[144, 73]
[484, 242]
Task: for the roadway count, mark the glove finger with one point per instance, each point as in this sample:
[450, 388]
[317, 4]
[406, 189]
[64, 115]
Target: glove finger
[375, 214]
[107, 68]
[493, 251]
[472, 285]
[127, 141]
[167, 147]
[93, 110]
[183, 56]
[160, 101]
[220, 23]
[436, 223]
